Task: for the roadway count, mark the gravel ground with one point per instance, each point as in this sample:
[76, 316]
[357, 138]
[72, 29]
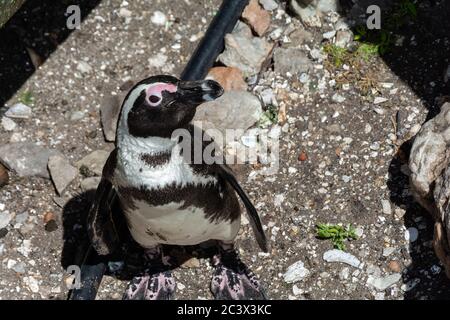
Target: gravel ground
[342, 157]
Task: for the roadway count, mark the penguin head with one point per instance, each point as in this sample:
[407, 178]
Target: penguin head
[158, 105]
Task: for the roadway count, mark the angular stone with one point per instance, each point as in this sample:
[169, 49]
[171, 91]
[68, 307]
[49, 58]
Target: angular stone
[244, 51]
[336, 255]
[19, 111]
[26, 158]
[84, 67]
[233, 110]
[292, 60]
[296, 272]
[326, 6]
[90, 183]
[256, 17]
[61, 171]
[5, 219]
[229, 78]
[343, 38]
[94, 161]
[382, 283]
[8, 124]
[386, 206]
[299, 37]
[269, 5]
[306, 12]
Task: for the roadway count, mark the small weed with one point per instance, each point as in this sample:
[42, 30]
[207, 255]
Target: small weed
[27, 98]
[336, 233]
[337, 54]
[372, 42]
[367, 50]
[270, 116]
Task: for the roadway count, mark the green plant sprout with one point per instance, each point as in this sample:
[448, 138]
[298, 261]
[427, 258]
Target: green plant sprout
[27, 98]
[337, 54]
[336, 233]
[270, 116]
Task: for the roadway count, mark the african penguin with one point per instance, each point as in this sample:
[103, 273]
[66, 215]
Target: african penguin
[167, 199]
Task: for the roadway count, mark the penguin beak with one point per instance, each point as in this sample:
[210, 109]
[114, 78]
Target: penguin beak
[197, 92]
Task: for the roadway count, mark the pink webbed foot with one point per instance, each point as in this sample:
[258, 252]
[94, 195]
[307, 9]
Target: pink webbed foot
[233, 280]
[157, 286]
[156, 282]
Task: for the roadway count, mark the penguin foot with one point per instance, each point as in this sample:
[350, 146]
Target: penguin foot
[156, 282]
[233, 280]
[157, 286]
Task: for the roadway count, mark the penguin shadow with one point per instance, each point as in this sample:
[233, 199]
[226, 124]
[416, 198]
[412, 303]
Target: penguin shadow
[30, 36]
[424, 276]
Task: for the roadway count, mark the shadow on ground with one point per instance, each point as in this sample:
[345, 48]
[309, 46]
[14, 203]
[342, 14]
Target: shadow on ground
[33, 33]
[421, 62]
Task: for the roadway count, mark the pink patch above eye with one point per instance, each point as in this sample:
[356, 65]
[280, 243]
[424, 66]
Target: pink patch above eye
[157, 89]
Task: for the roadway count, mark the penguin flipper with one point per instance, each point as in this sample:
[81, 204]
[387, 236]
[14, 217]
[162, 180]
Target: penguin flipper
[100, 225]
[226, 173]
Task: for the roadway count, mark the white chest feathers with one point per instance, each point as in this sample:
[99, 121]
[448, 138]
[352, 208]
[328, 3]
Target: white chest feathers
[133, 171]
[169, 223]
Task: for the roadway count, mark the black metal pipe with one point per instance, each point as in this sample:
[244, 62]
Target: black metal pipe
[212, 43]
[91, 273]
[204, 56]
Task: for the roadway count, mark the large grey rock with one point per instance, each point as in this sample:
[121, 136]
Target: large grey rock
[233, 110]
[90, 183]
[430, 177]
[429, 158]
[61, 171]
[292, 60]
[244, 51]
[94, 161]
[26, 158]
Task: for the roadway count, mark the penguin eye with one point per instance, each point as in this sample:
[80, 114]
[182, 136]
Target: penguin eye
[154, 99]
